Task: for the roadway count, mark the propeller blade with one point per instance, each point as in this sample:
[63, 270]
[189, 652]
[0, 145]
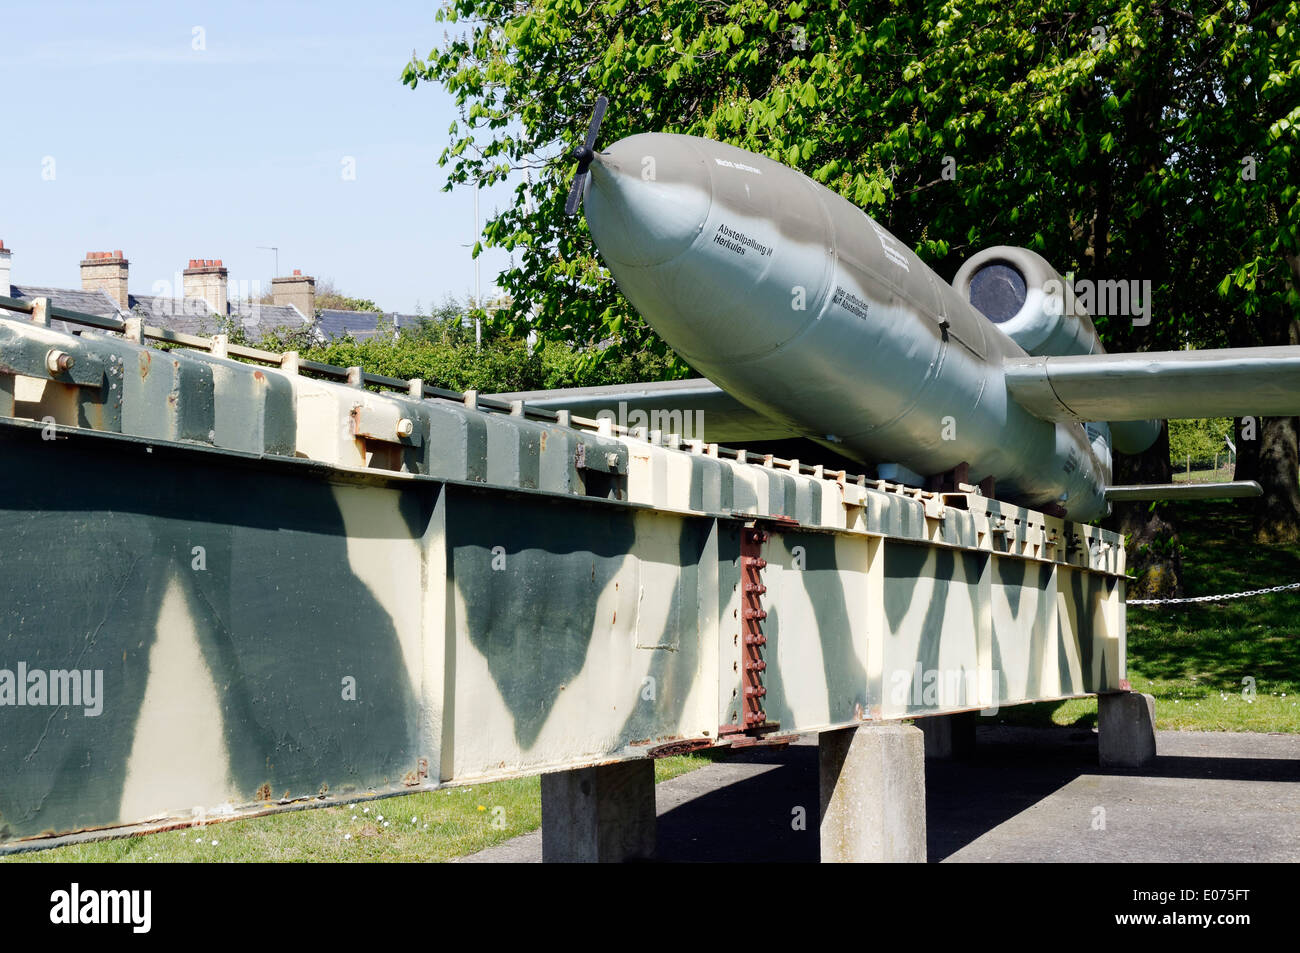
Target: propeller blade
[597, 117]
[575, 194]
[585, 155]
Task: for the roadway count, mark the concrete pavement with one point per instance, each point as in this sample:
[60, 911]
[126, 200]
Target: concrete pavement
[1027, 795]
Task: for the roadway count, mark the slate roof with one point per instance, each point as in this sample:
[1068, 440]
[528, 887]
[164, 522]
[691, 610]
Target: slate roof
[87, 302]
[193, 316]
[334, 324]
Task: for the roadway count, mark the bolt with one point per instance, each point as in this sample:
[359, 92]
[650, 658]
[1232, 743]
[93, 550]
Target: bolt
[405, 427]
[58, 362]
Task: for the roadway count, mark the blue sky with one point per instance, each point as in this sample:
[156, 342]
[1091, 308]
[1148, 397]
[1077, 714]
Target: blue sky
[170, 152]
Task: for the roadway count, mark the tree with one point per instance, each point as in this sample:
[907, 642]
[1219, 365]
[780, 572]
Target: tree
[328, 297]
[1200, 440]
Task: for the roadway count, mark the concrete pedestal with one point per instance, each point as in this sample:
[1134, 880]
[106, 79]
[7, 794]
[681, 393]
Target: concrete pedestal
[949, 736]
[1126, 730]
[599, 815]
[872, 794]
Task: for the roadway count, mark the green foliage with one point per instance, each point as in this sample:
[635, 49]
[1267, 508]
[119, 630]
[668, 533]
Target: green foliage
[337, 302]
[328, 297]
[441, 350]
[1110, 137]
[1198, 439]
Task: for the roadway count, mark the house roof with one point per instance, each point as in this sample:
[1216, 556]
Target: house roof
[87, 302]
[360, 325]
[194, 316]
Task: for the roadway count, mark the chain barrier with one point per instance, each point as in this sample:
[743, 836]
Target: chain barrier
[1222, 598]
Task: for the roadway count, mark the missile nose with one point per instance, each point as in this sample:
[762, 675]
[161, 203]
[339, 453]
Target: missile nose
[647, 199]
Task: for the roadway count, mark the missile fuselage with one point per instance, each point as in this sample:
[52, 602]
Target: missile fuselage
[801, 306]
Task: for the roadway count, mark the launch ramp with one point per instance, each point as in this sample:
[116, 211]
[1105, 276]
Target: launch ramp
[237, 585]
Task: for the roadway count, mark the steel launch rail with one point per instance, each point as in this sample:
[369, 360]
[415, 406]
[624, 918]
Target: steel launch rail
[236, 587]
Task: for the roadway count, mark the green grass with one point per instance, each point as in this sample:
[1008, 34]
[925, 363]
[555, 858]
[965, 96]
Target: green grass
[1221, 475]
[1193, 658]
[429, 826]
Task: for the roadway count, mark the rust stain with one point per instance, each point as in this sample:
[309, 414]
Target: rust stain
[264, 792]
[680, 747]
[145, 361]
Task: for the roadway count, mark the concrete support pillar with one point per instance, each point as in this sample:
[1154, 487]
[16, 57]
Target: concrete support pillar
[872, 794]
[949, 736]
[1126, 729]
[599, 815]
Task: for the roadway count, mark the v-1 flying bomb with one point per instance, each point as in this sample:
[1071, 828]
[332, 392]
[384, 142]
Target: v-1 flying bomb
[807, 312]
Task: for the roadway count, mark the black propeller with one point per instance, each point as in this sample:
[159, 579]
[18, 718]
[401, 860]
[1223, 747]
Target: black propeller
[585, 155]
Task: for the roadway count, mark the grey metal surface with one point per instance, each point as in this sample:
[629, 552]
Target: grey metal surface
[667, 406]
[804, 308]
[1185, 491]
[1049, 321]
[1228, 382]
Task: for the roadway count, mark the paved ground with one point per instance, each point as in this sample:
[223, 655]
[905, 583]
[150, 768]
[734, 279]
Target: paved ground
[1028, 795]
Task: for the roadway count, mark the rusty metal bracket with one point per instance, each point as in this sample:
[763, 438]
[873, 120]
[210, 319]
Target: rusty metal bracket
[762, 741]
[753, 716]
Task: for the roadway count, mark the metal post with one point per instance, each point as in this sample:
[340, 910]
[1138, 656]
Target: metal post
[478, 294]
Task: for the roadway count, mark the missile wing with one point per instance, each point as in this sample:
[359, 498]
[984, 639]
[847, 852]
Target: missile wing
[696, 409]
[1228, 382]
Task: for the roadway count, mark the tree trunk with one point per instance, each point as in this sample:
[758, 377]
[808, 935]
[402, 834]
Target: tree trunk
[1245, 434]
[1277, 513]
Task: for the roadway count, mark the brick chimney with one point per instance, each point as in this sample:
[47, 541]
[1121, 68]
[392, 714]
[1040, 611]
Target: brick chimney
[298, 290]
[206, 279]
[106, 271]
[5, 256]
